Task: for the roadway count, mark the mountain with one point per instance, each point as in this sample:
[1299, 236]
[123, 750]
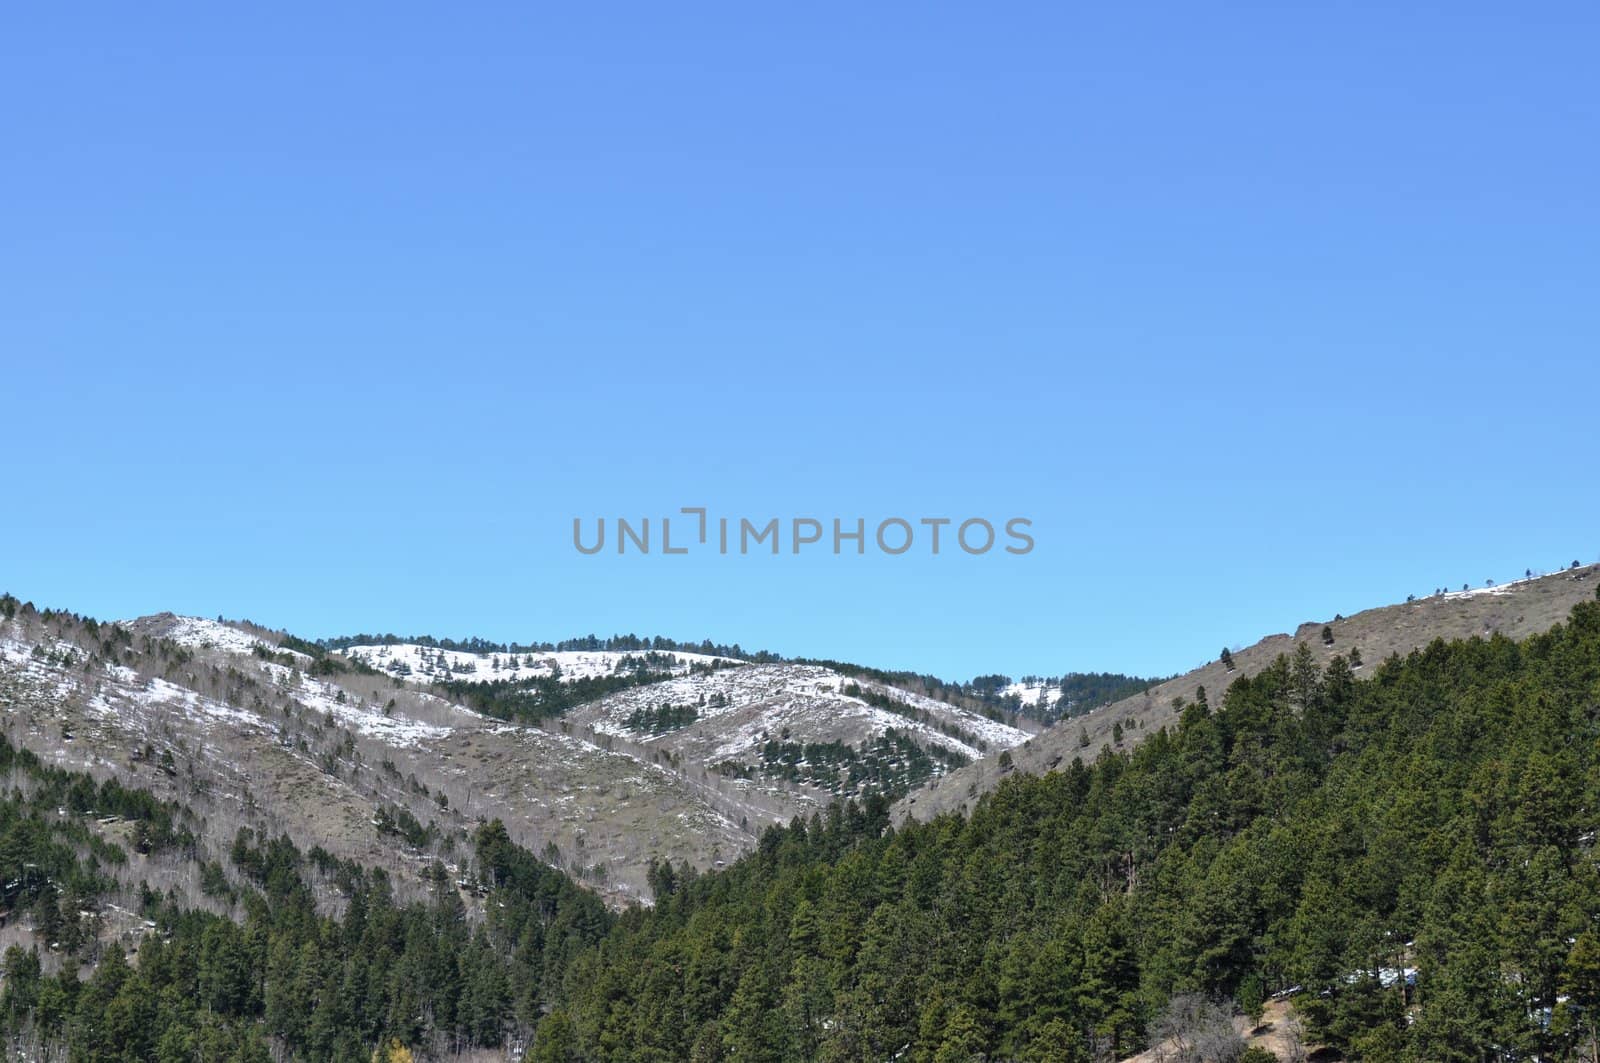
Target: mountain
[1515, 609]
[393, 850]
[391, 754]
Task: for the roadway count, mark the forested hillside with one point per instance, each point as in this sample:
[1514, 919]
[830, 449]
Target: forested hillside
[1313, 835]
[1515, 609]
[283, 980]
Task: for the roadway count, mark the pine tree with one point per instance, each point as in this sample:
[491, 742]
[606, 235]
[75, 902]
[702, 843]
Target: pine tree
[555, 1040]
[1580, 979]
[1107, 994]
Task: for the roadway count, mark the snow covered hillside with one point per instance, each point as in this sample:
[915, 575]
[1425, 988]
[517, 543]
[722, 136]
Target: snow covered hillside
[423, 664]
[810, 725]
[222, 718]
[718, 717]
[686, 760]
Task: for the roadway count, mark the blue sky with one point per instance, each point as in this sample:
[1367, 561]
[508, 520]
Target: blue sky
[336, 319]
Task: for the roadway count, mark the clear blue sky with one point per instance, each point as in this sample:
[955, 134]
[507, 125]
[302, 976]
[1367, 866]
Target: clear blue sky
[336, 318]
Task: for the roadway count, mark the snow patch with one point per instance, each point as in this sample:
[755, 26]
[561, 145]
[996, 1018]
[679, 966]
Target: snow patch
[1032, 693]
[425, 664]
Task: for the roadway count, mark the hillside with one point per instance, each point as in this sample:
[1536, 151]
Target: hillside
[1396, 867]
[391, 754]
[310, 860]
[809, 725]
[1515, 610]
[815, 730]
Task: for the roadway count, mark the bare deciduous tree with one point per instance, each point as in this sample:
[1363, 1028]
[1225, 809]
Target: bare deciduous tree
[1196, 1029]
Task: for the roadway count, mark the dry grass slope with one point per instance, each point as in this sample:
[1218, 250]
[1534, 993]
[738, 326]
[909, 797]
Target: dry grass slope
[1515, 610]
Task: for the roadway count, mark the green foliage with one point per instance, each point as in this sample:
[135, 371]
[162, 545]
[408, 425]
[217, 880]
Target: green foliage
[399, 822]
[53, 865]
[890, 764]
[1072, 695]
[542, 697]
[322, 663]
[1082, 692]
[1315, 830]
[321, 988]
[659, 719]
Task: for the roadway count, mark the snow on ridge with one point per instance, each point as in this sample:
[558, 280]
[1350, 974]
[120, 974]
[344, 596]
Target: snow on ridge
[1495, 589]
[126, 688]
[788, 691]
[998, 735]
[197, 633]
[1031, 693]
[723, 692]
[425, 663]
